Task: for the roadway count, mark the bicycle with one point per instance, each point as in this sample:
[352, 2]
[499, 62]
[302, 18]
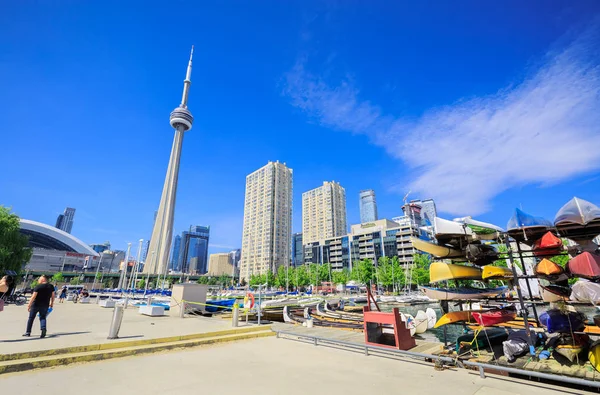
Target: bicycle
[16, 298]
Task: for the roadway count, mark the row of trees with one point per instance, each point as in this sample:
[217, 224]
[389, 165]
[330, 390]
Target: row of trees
[388, 273]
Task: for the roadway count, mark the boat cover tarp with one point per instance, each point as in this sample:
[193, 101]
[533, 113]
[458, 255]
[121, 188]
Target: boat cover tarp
[585, 265]
[586, 291]
[558, 322]
[521, 220]
[577, 211]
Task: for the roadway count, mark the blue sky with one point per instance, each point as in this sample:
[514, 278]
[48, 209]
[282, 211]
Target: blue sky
[484, 107]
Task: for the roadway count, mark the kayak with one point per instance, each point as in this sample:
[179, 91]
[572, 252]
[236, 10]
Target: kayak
[450, 232]
[420, 322]
[481, 254]
[435, 249]
[495, 317]
[440, 271]
[585, 265]
[483, 229]
[550, 297]
[462, 293]
[594, 355]
[456, 316]
[481, 339]
[578, 220]
[550, 271]
[526, 228]
[431, 317]
[490, 272]
[548, 245]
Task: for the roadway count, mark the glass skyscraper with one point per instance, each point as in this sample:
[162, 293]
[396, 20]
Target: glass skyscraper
[65, 220]
[193, 252]
[368, 206]
[297, 249]
[175, 253]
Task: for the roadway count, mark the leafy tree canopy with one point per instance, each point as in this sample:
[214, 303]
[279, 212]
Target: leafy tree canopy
[14, 253]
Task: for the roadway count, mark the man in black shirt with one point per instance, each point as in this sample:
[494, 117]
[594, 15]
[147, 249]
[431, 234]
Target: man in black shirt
[41, 300]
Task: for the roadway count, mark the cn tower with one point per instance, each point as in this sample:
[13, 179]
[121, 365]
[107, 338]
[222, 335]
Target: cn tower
[160, 243]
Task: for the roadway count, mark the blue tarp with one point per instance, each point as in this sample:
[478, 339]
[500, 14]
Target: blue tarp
[521, 220]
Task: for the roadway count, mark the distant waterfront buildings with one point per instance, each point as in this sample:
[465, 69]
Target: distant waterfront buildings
[235, 256]
[64, 221]
[101, 247]
[220, 264]
[323, 212]
[175, 253]
[297, 249]
[368, 206]
[193, 252]
[267, 230]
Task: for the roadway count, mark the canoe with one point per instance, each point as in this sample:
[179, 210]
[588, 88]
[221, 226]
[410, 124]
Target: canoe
[550, 271]
[454, 317]
[495, 317]
[462, 293]
[548, 245]
[481, 254]
[585, 265]
[435, 249]
[483, 229]
[420, 322]
[431, 317]
[453, 233]
[481, 339]
[440, 271]
[578, 220]
[569, 351]
[490, 272]
[526, 228]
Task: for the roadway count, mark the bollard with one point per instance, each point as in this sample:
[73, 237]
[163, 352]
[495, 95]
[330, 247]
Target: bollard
[115, 325]
[235, 316]
[182, 310]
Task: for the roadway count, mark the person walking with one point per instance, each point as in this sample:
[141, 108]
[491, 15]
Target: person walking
[41, 300]
[63, 294]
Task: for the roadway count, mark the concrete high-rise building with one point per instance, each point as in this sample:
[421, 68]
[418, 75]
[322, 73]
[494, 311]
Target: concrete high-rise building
[235, 256]
[64, 221]
[266, 237]
[193, 253]
[220, 264]
[175, 253]
[368, 206]
[323, 212]
[160, 243]
[297, 249]
[428, 211]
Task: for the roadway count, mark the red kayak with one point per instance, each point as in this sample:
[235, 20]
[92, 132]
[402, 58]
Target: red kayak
[549, 244]
[585, 265]
[495, 317]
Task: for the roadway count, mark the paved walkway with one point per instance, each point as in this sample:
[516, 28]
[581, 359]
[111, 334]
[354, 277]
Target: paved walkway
[265, 366]
[73, 324]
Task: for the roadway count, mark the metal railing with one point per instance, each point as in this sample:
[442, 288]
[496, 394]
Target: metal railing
[382, 351]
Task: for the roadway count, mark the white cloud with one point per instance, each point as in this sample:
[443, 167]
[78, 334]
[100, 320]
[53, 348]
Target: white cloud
[544, 130]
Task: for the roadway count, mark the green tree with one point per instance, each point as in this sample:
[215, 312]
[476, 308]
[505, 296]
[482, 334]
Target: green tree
[324, 271]
[341, 276]
[363, 271]
[384, 272]
[108, 283]
[75, 281]
[58, 278]
[257, 279]
[14, 253]
[141, 284]
[420, 269]
[281, 279]
[269, 279]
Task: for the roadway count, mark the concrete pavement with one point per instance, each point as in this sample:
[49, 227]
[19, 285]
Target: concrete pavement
[73, 324]
[264, 366]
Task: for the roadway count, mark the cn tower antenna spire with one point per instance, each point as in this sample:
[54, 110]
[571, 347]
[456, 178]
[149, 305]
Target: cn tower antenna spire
[187, 82]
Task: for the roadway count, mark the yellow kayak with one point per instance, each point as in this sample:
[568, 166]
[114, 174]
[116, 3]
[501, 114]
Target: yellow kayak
[496, 273]
[440, 271]
[594, 355]
[456, 316]
[435, 249]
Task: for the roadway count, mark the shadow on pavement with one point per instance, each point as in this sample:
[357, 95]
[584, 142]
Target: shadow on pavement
[34, 337]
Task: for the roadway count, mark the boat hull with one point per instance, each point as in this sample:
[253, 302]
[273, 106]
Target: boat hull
[490, 272]
[440, 271]
[494, 317]
[462, 293]
[435, 249]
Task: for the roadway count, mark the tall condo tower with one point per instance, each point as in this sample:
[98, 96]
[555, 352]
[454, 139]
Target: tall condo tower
[323, 213]
[65, 220]
[368, 206]
[160, 242]
[267, 234]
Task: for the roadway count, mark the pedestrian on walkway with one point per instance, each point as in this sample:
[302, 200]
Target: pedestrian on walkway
[63, 294]
[41, 300]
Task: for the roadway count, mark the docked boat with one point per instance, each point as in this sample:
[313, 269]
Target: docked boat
[421, 319]
[434, 249]
[526, 228]
[414, 298]
[440, 271]
[453, 233]
[454, 317]
[409, 321]
[495, 316]
[585, 265]
[490, 272]
[550, 271]
[578, 220]
[462, 293]
[295, 317]
[481, 254]
[549, 244]
[212, 306]
[431, 317]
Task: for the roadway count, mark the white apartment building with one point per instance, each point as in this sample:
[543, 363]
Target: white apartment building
[323, 213]
[220, 264]
[267, 233]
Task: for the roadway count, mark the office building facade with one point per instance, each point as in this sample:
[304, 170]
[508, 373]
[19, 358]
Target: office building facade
[323, 212]
[368, 206]
[235, 256]
[65, 220]
[220, 265]
[193, 251]
[267, 231]
[297, 249]
[174, 264]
